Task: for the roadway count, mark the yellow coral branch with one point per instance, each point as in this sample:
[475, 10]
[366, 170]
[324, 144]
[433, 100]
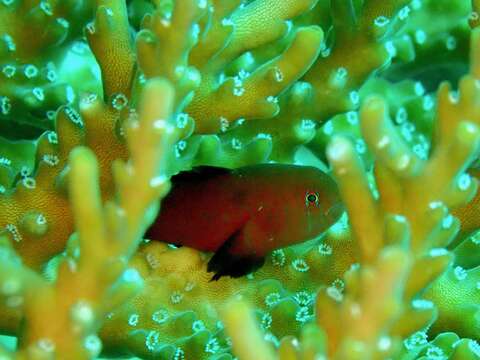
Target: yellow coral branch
[246, 337]
[109, 38]
[61, 319]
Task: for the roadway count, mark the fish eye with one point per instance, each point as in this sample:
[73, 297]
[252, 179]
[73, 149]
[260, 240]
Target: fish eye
[311, 198]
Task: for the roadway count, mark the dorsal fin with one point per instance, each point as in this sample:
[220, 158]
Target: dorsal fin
[200, 173]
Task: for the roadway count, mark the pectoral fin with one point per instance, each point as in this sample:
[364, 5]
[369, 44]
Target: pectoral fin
[224, 263]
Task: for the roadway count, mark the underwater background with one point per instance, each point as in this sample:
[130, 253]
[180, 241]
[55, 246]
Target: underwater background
[102, 101]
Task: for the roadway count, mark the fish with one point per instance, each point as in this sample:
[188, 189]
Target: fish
[243, 214]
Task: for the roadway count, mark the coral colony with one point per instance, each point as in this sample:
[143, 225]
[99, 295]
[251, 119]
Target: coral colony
[106, 104]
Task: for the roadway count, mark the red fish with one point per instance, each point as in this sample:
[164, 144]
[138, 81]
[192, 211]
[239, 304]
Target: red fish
[245, 213]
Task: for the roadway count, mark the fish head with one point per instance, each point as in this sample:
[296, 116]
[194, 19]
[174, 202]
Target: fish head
[320, 199]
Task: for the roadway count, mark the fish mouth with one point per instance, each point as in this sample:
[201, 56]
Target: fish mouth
[334, 213]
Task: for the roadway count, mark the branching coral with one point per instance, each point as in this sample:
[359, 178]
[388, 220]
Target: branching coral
[155, 87]
[34, 37]
[79, 299]
[336, 73]
[400, 233]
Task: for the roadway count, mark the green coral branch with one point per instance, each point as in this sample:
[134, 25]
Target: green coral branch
[251, 26]
[21, 21]
[110, 40]
[380, 304]
[360, 29]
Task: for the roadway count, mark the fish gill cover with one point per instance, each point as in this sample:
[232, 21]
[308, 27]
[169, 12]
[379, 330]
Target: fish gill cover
[102, 102]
